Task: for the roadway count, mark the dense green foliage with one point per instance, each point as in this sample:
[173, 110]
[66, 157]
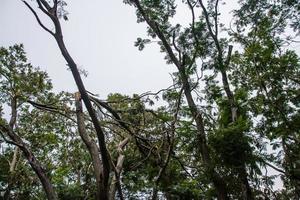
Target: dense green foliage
[231, 115]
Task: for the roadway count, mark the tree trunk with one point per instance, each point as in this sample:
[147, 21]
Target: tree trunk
[247, 193]
[12, 166]
[91, 146]
[217, 180]
[34, 163]
[115, 185]
[51, 12]
[243, 176]
[99, 131]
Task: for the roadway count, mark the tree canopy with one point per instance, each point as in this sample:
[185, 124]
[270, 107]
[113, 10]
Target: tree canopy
[227, 128]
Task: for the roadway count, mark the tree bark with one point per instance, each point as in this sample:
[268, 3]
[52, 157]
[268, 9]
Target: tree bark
[100, 134]
[12, 166]
[91, 146]
[34, 163]
[217, 180]
[115, 185]
[243, 176]
[51, 12]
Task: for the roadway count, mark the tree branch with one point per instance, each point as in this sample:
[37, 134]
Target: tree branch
[38, 19]
[154, 26]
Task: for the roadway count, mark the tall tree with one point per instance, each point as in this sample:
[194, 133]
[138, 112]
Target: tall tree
[54, 10]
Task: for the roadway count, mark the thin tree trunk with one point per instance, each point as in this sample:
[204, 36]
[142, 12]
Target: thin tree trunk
[12, 166]
[247, 192]
[51, 12]
[217, 180]
[243, 176]
[90, 144]
[100, 134]
[13, 163]
[115, 185]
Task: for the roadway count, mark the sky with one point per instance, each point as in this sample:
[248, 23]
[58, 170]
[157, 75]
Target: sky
[100, 36]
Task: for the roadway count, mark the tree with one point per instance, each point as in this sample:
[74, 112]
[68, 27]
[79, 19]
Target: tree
[183, 48]
[21, 82]
[54, 12]
[232, 139]
[235, 95]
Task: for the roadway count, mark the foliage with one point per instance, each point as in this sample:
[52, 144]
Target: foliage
[229, 117]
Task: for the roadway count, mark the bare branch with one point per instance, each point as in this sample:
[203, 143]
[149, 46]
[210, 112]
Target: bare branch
[214, 37]
[38, 19]
[274, 167]
[55, 6]
[193, 21]
[2, 128]
[112, 111]
[50, 109]
[46, 10]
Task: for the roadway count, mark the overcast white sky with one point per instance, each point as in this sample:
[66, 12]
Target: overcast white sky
[100, 36]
